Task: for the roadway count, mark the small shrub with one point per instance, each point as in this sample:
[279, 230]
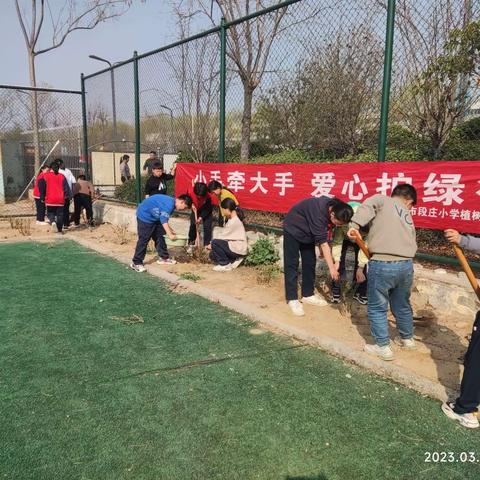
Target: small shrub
[267, 273]
[121, 234]
[23, 225]
[263, 252]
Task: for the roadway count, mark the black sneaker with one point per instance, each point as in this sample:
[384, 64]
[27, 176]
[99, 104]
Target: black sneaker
[361, 299]
[335, 299]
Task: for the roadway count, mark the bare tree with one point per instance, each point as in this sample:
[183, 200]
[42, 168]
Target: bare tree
[425, 100]
[329, 103]
[63, 18]
[195, 68]
[248, 47]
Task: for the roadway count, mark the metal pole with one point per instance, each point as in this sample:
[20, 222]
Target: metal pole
[85, 127]
[114, 105]
[387, 77]
[138, 179]
[223, 80]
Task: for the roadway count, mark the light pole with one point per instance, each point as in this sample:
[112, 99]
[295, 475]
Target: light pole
[112, 79]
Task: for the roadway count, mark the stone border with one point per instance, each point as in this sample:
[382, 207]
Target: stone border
[327, 344]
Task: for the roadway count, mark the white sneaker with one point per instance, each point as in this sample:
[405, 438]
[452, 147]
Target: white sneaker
[166, 261]
[54, 227]
[468, 420]
[237, 262]
[296, 307]
[138, 268]
[385, 352]
[222, 268]
[315, 300]
[38, 222]
[406, 343]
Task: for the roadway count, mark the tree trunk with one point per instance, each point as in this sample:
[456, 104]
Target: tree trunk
[246, 122]
[34, 112]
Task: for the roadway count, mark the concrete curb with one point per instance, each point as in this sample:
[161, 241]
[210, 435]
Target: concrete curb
[327, 344]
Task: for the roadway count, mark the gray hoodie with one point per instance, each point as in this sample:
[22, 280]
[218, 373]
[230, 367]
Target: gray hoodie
[392, 233]
[470, 243]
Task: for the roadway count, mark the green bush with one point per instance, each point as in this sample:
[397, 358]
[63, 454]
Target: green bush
[263, 252]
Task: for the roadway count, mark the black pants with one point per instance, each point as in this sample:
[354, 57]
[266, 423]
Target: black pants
[82, 200]
[469, 398]
[55, 214]
[66, 213]
[206, 214]
[40, 206]
[292, 250]
[221, 253]
[337, 286]
[147, 231]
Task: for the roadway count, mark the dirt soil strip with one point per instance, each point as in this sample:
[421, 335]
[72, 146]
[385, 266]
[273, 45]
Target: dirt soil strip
[330, 345]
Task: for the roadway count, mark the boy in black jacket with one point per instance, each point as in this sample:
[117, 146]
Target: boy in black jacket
[157, 183]
[308, 223]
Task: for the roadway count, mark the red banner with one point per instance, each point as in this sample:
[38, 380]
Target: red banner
[448, 192]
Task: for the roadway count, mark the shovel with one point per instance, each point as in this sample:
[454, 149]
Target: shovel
[197, 239]
[363, 247]
[467, 269]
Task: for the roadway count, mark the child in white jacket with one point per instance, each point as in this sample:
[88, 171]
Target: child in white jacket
[230, 247]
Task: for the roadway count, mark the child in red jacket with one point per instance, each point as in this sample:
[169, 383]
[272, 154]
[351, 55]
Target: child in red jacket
[54, 190]
[39, 205]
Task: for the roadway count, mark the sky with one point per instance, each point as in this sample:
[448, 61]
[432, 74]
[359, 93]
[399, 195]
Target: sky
[146, 26]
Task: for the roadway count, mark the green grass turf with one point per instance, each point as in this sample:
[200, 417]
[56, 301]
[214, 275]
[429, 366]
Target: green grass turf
[86, 396]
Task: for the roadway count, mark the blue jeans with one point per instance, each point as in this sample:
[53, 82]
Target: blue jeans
[390, 283]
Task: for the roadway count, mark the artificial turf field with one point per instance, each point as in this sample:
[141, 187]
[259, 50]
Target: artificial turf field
[190, 393]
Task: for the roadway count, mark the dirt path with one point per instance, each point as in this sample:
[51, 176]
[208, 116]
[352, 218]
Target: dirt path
[342, 330]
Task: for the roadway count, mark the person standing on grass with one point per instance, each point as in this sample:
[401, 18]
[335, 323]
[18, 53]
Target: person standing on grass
[157, 183]
[309, 223]
[54, 191]
[71, 181]
[149, 162]
[392, 244]
[340, 245]
[82, 199]
[202, 214]
[230, 247]
[465, 408]
[39, 205]
[221, 192]
[125, 174]
[153, 215]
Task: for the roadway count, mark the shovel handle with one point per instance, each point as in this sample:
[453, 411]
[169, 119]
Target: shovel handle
[467, 269]
[363, 247]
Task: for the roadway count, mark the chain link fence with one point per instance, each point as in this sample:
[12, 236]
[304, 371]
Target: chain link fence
[301, 81]
[26, 140]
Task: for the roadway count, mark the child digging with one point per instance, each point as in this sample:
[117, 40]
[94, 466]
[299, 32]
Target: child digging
[465, 407]
[202, 211]
[392, 244]
[308, 223]
[153, 215]
[340, 245]
[230, 247]
[222, 193]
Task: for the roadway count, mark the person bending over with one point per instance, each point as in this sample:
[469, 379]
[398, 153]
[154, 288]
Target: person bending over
[309, 223]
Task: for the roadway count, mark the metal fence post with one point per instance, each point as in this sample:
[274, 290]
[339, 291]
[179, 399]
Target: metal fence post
[85, 127]
[387, 77]
[223, 80]
[138, 178]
